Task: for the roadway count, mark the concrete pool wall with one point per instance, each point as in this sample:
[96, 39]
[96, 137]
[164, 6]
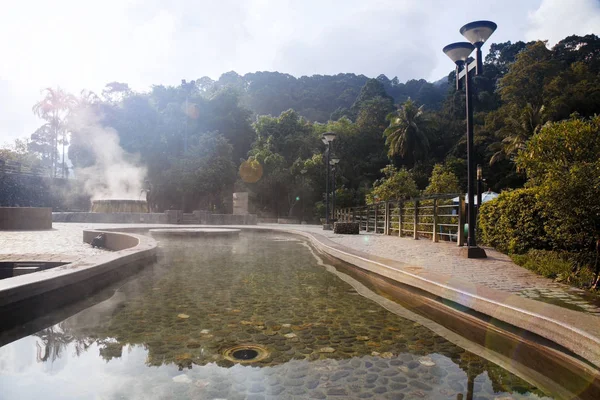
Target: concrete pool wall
[29, 296]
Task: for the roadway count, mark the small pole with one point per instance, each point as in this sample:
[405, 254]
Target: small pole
[435, 236]
[416, 222]
[400, 212]
[388, 219]
[327, 186]
[376, 209]
[367, 219]
[460, 239]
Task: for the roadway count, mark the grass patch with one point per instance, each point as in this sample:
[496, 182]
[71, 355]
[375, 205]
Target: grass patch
[560, 266]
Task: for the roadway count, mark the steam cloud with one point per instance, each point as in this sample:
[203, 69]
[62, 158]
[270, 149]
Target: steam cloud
[116, 173]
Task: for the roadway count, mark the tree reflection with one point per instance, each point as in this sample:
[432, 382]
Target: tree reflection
[55, 339]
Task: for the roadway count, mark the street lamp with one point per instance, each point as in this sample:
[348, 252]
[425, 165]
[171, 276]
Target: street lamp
[333, 162]
[477, 33]
[327, 138]
[303, 173]
[479, 187]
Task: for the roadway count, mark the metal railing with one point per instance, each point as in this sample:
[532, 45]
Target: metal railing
[16, 168]
[436, 217]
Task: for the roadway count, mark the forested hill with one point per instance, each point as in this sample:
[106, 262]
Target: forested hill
[319, 97]
[196, 138]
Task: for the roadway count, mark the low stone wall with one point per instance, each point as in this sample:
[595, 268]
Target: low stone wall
[25, 218]
[267, 220]
[288, 221]
[230, 219]
[111, 218]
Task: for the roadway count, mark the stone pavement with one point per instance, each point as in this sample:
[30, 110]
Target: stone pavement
[64, 243]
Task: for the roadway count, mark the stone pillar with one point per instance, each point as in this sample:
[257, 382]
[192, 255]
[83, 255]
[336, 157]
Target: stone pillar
[240, 203]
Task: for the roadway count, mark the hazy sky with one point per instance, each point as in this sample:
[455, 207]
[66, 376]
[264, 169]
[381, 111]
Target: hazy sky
[79, 44]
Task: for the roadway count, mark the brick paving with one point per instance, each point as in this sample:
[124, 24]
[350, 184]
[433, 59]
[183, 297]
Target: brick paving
[64, 243]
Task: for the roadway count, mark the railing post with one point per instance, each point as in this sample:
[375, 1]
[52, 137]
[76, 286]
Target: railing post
[376, 209]
[416, 222]
[388, 218]
[435, 235]
[354, 215]
[367, 219]
[400, 212]
[460, 237]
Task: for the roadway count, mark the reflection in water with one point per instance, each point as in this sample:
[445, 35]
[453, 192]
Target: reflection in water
[324, 339]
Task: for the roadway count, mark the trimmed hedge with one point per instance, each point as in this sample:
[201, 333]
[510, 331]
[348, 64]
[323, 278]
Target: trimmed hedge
[514, 222]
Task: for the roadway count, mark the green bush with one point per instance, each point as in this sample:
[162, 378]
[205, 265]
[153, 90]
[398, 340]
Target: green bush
[562, 162]
[557, 265]
[514, 222]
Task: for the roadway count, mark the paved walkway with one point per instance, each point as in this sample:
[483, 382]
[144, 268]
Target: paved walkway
[64, 243]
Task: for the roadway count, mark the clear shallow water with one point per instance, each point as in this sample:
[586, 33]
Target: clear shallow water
[163, 334]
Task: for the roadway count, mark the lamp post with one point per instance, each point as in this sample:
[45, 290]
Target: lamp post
[328, 137]
[479, 187]
[333, 162]
[477, 33]
[303, 200]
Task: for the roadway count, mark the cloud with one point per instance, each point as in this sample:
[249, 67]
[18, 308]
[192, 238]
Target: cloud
[373, 38]
[556, 19]
[84, 45]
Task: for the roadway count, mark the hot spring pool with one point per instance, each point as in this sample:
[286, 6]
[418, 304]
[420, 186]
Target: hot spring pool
[171, 331]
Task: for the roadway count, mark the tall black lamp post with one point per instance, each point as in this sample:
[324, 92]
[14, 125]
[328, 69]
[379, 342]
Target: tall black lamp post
[479, 187]
[328, 137]
[477, 33]
[333, 162]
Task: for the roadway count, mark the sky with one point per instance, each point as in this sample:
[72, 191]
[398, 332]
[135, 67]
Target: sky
[83, 44]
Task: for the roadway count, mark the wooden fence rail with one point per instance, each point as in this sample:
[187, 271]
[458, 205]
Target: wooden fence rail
[433, 217]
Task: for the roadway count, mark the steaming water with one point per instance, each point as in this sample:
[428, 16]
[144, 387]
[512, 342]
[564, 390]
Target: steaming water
[116, 174]
[162, 336]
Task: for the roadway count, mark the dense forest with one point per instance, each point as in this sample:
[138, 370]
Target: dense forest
[260, 132]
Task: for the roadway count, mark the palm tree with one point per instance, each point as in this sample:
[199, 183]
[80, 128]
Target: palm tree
[54, 108]
[405, 134]
[517, 132]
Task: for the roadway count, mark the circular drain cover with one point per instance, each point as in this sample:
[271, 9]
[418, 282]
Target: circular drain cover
[246, 353]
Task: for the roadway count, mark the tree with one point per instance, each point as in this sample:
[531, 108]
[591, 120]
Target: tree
[54, 108]
[406, 134]
[525, 81]
[395, 184]
[516, 131]
[442, 180]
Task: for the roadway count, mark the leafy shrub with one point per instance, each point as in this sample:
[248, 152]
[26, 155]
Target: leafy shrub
[513, 223]
[563, 162]
[557, 265]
